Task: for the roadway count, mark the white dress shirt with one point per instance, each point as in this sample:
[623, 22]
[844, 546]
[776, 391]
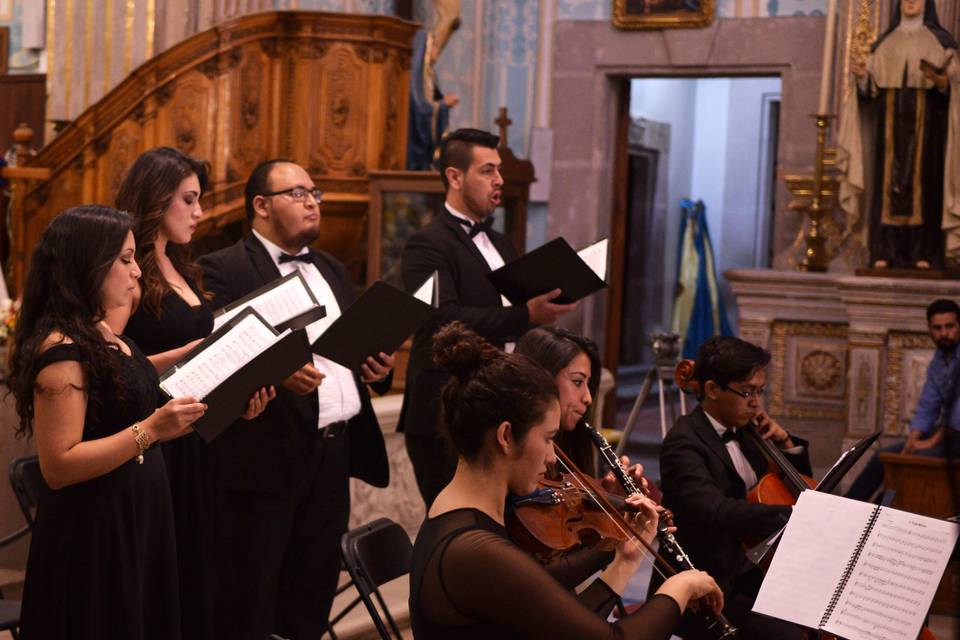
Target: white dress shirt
[740, 462]
[490, 254]
[338, 395]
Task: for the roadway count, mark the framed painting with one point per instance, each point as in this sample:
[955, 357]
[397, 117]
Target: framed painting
[663, 14]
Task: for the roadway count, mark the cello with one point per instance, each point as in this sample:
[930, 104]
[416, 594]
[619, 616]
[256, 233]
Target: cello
[783, 484]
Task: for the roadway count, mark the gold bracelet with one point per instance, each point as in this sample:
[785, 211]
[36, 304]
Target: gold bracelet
[142, 438]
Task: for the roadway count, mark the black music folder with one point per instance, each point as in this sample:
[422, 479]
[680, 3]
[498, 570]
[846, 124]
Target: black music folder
[237, 359]
[379, 320]
[554, 265]
[287, 303]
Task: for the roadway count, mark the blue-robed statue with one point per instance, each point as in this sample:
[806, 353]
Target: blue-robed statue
[698, 312]
[429, 108]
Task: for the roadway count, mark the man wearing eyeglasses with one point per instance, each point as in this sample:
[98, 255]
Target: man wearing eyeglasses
[284, 477]
[707, 467]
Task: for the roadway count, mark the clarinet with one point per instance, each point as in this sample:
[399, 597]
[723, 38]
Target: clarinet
[669, 546]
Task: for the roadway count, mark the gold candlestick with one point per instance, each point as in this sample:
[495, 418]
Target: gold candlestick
[815, 255]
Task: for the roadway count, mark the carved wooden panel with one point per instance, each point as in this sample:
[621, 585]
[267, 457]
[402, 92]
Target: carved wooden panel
[332, 88]
[120, 148]
[251, 113]
[327, 90]
[188, 120]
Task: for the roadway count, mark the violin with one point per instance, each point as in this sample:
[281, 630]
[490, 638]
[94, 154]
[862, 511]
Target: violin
[566, 514]
[560, 517]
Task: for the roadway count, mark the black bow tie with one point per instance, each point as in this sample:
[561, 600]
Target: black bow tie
[473, 228]
[300, 257]
[732, 434]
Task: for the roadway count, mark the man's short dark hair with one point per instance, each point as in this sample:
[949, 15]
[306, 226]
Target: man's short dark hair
[725, 359]
[942, 306]
[259, 183]
[456, 149]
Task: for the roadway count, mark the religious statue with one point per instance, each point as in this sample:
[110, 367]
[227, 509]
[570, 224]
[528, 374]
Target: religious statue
[899, 142]
[429, 108]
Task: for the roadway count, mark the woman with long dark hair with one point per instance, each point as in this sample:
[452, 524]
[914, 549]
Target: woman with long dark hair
[168, 315]
[574, 362]
[469, 580]
[102, 562]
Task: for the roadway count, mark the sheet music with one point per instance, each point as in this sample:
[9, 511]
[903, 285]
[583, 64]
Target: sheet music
[279, 304]
[426, 292]
[819, 540]
[895, 578]
[596, 258]
[238, 346]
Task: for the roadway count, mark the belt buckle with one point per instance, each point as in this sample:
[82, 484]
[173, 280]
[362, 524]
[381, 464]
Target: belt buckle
[333, 429]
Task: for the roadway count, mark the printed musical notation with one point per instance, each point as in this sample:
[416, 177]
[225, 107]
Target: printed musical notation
[286, 298]
[871, 574]
[221, 359]
[895, 577]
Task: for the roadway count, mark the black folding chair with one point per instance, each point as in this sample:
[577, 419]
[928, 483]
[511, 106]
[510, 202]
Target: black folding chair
[28, 485]
[375, 554]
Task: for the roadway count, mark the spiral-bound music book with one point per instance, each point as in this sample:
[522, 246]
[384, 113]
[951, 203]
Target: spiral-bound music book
[857, 570]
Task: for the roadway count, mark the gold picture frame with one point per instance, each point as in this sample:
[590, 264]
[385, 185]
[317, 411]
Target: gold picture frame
[663, 14]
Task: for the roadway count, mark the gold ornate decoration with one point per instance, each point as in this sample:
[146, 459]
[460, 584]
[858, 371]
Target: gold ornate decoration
[897, 343]
[861, 33]
[820, 370]
[814, 367]
[863, 390]
[661, 14]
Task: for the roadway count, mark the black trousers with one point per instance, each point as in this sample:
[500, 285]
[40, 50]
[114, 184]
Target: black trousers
[280, 552]
[434, 464]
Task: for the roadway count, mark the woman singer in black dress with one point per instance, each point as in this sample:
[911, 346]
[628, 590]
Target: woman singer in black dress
[469, 580]
[168, 315]
[102, 563]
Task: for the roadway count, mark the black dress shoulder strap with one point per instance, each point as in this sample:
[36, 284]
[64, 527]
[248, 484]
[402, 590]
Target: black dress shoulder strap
[57, 353]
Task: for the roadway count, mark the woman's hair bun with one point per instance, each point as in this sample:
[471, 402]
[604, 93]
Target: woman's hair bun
[461, 351]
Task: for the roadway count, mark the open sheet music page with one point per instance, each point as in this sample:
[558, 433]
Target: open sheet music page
[895, 578]
[816, 546]
[427, 293]
[221, 359]
[596, 257]
[289, 298]
[855, 569]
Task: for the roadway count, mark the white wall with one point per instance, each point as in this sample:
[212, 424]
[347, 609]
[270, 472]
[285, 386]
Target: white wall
[671, 101]
[716, 127]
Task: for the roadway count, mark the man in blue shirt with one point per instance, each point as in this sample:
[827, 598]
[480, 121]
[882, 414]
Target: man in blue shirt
[935, 428]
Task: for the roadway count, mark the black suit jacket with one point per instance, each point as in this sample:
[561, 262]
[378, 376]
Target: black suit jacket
[701, 486]
[270, 453]
[465, 294]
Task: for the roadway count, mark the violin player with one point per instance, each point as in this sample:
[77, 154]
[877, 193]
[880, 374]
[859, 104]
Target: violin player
[707, 468]
[468, 579]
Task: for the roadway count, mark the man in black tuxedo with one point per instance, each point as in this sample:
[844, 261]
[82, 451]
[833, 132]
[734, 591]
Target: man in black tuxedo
[462, 247]
[284, 477]
[707, 468]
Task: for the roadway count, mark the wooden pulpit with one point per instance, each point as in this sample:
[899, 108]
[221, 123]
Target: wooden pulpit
[929, 487]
